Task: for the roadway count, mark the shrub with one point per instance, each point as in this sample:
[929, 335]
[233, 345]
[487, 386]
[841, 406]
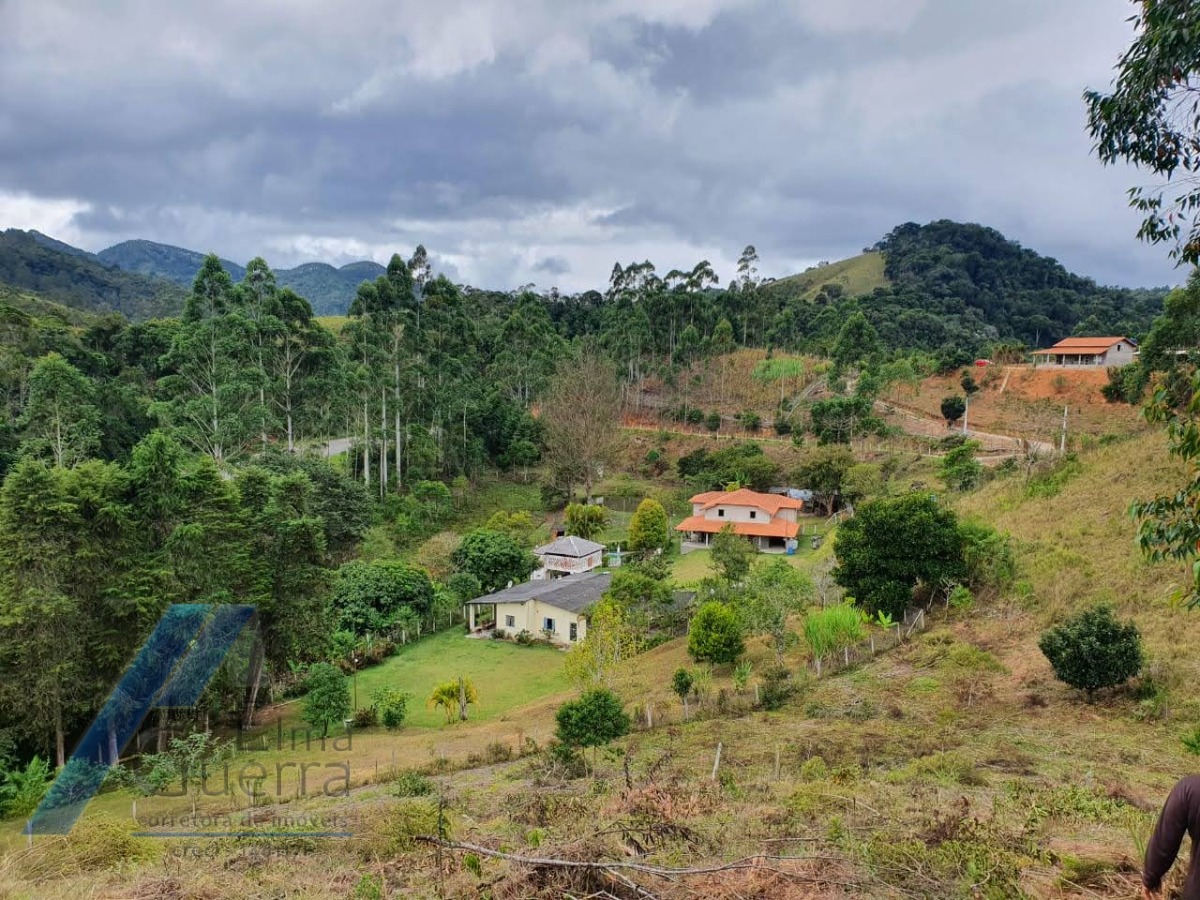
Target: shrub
[953, 408]
[365, 717]
[775, 687]
[741, 676]
[715, 634]
[411, 783]
[391, 705]
[712, 421]
[594, 719]
[1093, 650]
[988, 556]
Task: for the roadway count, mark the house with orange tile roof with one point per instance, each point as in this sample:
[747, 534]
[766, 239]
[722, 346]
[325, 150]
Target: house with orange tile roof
[768, 520]
[1090, 351]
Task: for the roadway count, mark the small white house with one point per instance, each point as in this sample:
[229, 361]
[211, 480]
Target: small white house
[553, 608]
[1090, 351]
[568, 555]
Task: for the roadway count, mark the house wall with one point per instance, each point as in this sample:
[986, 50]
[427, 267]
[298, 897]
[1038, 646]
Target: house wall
[736, 514]
[529, 617]
[571, 563]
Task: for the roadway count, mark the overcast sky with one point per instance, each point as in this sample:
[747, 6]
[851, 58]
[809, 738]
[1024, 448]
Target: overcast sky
[529, 141]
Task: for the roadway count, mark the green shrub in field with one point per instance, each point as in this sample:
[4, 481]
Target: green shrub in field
[411, 783]
[391, 705]
[412, 818]
[775, 687]
[1191, 741]
[1092, 650]
[715, 634]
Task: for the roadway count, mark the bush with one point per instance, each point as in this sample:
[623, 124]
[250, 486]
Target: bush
[988, 555]
[594, 719]
[391, 705]
[1093, 650]
[365, 717]
[776, 687]
[953, 408]
[715, 634]
[713, 421]
[411, 783]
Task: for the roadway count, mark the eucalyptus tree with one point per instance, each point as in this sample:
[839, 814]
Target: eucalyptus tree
[212, 389]
[60, 421]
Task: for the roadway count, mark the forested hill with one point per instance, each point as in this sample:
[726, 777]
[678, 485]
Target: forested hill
[330, 290]
[162, 261]
[32, 263]
[949, 276]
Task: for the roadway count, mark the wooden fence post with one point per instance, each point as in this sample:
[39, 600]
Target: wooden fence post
[776, 762]
[716, 762]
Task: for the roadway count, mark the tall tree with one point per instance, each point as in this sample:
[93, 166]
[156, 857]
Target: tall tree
[60, 421]
[1151, 118]
[212, 390]
[582, 414]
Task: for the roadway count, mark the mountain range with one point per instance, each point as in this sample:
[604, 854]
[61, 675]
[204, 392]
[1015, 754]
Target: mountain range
[140, 265]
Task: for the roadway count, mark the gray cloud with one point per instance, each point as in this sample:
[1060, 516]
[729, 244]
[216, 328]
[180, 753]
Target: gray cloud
[524, 139]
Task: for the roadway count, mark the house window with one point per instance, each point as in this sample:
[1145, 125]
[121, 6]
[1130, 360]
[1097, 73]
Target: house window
[548, 625]
[753, 514]
[574, 631]
[720, 513]
[510, 621]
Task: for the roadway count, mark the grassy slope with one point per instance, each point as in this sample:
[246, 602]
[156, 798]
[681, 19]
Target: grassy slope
[41, 308]
[857, 275]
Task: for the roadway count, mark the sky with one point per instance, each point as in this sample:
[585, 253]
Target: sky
[540, 141]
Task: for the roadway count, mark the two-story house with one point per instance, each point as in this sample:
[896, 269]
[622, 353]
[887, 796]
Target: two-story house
[769, 520]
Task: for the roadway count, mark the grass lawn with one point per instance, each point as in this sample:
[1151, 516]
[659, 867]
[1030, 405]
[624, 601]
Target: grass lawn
[697, 564]
[506, 676]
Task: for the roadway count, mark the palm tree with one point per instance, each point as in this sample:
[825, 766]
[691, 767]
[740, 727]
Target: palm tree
[454, 697]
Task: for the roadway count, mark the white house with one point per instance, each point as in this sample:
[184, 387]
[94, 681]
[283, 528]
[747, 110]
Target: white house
[568, 555]
[769, 520]
[553, 608]
[1090, 351]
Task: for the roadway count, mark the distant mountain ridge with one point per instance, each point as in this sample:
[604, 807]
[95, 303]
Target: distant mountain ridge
[57, 272]
[330, 290]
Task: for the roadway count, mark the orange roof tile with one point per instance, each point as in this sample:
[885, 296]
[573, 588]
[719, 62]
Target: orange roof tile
[771, 503]
[778, 528]
[1074, 345]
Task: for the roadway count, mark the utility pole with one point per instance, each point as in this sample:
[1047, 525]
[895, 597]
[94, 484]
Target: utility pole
[966, 410]
[1062, 442]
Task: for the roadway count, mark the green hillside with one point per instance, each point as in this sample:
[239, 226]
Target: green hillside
[175, 264]
[329, 289]
[41, 308]
[28, 264]
[857, 275]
